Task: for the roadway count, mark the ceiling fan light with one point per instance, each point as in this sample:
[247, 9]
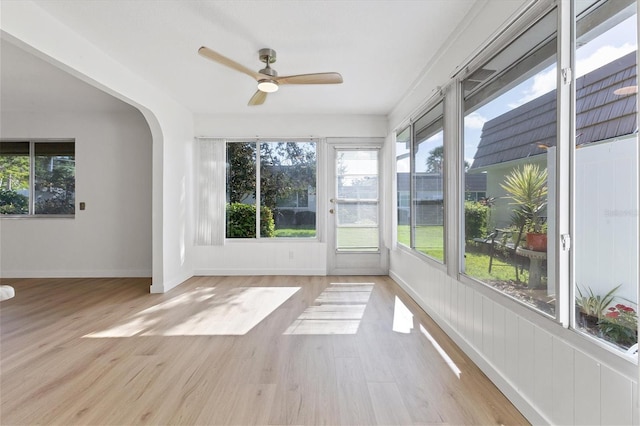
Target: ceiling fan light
[625, 91]
[267, 86]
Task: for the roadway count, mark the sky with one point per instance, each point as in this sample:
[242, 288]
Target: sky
[613, 44]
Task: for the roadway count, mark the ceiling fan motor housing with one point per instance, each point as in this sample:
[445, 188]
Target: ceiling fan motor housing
[268, 56]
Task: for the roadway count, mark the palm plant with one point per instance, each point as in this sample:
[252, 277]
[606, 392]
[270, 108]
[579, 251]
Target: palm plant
[527, 187]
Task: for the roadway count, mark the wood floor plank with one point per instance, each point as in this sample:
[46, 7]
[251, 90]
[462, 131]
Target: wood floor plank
[388, 405]
[225, 350]
[354, 401]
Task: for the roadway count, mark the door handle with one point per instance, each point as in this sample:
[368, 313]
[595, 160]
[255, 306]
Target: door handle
[331, 211]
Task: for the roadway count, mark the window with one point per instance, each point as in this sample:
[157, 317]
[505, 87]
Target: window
[286, 193]
[428, 191]
[606, 169]
[509, 144]
[403, 184]
[420, 175]
[37, 178]
[357, 200]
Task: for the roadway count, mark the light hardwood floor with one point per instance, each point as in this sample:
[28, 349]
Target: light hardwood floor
[234, 350]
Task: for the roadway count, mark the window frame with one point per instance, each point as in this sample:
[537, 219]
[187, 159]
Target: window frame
[538, 15]
[257, 203]
[32, 179]
[436, 101]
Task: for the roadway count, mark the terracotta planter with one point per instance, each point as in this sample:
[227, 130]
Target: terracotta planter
[536, 242]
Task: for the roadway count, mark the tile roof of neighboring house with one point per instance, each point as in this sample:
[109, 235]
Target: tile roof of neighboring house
[525, 130]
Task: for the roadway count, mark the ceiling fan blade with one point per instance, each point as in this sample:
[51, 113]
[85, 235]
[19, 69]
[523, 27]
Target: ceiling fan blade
[258, 98]
[215, 56]
[318, 78]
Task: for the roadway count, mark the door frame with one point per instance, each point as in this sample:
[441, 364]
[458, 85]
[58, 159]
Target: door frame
[354, 263]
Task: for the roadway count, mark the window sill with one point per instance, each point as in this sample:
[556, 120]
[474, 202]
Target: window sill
[37, 216]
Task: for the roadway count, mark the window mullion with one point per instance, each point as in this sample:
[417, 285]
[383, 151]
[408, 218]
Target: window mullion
[32, 178]
[258, 198]
[412, 188]
[565, 143]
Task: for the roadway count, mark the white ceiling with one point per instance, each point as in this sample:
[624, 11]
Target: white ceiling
[380, 48]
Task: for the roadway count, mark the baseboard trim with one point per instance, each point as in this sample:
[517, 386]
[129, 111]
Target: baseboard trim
[249, 271]
[90, 273]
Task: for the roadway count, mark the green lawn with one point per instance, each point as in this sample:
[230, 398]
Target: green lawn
[295, 233]
[429, 240]
[477, 266]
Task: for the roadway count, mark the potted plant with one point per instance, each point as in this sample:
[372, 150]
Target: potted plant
[591, 307]
[527, 187]
[620, 325]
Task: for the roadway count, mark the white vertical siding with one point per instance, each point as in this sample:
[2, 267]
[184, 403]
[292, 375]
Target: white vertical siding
[562, 379]
[587, 390]
[499, 337]
[616, 398]
[543, 361]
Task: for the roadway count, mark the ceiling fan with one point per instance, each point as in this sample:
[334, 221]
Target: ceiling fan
[267, 78]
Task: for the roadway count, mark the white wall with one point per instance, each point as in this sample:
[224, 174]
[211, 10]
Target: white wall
[300, 257]
[26, 25]
[112, 237]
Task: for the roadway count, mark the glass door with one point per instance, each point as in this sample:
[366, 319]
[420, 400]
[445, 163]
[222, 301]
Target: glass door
[355, 212]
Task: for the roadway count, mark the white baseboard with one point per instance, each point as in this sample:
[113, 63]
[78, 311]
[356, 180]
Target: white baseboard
[249, 271]
[165, 286]
[89, 273]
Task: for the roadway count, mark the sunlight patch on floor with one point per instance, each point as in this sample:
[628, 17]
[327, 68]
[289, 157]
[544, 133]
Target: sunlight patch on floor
[403, 323]
[402, 318]
[337, 310]
[210, 312]
[452, 365]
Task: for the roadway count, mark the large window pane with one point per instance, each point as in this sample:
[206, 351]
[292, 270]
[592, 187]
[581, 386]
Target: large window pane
[14, 178]
[241, 190]
[356, 203]
[606, 169]
[288, 187]
[428, 194]
[509, 143]
[54, 178]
